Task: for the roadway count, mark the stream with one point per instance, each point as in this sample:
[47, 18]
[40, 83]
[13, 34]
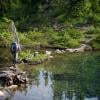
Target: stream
[64, 77]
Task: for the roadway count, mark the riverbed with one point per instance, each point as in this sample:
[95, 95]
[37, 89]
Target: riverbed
[64, 77]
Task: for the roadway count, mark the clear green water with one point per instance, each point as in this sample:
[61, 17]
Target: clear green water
[65, 77]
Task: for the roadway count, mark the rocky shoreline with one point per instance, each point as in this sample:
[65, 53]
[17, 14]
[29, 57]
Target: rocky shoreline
[10, 79]
[82, 48]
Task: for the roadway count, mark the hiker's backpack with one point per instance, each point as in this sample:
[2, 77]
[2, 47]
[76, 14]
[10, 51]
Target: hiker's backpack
[14, 47]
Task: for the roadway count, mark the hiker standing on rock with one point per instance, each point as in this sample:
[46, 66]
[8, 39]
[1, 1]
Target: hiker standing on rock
[15, 46]
[14, 50]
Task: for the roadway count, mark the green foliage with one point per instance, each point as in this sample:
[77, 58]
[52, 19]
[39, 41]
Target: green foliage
[25, 55]
[46, 36]
[24, 39]
[72, 43]
[96, 45]
[97, 39]
[5, 38]
[34, 35]
[93, 31]
[41, 12]
[4, 24]
[37, 18]
[94, 18]
[75, 34]
[66, 38]
[96, 42]
[28, 55]
[39, 57]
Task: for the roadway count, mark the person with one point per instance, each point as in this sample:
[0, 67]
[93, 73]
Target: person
[15, 47]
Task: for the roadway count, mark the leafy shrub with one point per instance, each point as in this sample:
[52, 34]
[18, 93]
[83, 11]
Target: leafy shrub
[72, 43]
[98, 39]
[25, 54]
[93, 31]
[5, 38]
[39, 57]
[96, 42]
[34, 35]
[46, 36]
[96, 45]
[24, 39]
[28, 55]
[66, 38]
[94, 18]
[75, 34]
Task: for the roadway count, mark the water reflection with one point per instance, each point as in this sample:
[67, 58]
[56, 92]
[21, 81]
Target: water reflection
[39, 91]
[46, 88]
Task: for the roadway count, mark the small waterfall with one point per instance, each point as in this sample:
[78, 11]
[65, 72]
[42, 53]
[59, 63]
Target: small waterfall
[14, 33]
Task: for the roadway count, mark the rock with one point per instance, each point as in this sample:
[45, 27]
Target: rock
[13, 68]
[63, 51]
[82, 48]
[88, 48]
[1, 94]
[70, 50]
[50, 56]
[12, 87]
[6, 92]
[12, 77]
[36, 53]
[4, 95]
[58, 51]
[48, 53]
[79, 50]
[25, 61]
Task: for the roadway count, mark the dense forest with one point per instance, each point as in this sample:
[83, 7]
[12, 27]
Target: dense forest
[60, 23]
